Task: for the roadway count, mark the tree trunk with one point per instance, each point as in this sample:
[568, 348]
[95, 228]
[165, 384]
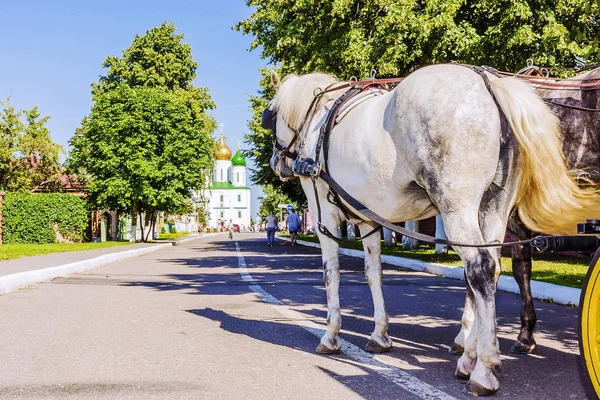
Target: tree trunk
[134, 211]
[142, 227]
[150, 218]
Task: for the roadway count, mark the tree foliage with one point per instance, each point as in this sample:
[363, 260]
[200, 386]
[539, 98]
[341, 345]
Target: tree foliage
[147, 142]
[271, 200]
[351, 37]
[28, 156]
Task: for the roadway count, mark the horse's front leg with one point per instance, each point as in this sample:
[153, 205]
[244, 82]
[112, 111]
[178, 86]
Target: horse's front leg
[380, 341]
[468, 317]
[330, 342]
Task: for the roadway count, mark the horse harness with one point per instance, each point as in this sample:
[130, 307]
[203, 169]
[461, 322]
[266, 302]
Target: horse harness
[308, 167]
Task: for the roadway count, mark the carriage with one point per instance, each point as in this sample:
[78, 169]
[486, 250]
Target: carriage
[589, 303]
[417, 152]
[589, 324]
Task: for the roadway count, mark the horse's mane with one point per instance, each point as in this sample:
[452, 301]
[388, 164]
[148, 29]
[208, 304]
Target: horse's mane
[296, 94]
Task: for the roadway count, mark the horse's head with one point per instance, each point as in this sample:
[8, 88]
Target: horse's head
[283, 135]
[286, 117]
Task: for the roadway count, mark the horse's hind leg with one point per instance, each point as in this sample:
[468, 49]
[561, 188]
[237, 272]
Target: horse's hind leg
[379, 341]
[468, 317]
[481, 354]
[521, 269]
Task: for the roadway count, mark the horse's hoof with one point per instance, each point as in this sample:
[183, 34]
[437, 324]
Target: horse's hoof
[374, 347]
[475, 389]
[522, 348]
[322, 349]
[456, 349]
[461, 375]
[465, 367]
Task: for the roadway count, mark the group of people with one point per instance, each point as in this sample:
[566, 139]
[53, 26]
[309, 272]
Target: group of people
[293, 223]
[272, 224]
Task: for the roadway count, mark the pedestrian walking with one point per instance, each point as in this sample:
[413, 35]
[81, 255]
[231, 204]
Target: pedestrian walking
[230, 229]
[271, 228]
[293, 223]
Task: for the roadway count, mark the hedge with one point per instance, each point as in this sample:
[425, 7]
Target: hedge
[30, 218]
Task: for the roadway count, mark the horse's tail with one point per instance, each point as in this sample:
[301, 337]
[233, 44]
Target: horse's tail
[549, 199]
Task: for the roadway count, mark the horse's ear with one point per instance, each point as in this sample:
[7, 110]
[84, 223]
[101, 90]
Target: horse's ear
[275, 80]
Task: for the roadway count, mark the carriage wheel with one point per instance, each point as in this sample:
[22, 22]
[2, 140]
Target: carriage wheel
[589, 324]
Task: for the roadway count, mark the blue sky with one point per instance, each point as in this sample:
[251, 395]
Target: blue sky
[51, 52]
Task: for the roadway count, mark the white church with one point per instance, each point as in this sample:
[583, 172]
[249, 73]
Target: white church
[228, 197]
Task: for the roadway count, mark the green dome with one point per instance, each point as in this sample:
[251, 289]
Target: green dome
[238, 160]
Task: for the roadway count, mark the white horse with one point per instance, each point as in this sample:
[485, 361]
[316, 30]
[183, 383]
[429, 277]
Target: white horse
[436, 144]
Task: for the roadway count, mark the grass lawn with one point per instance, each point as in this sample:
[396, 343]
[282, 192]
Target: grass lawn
[167, 236]
[8, 251]
[552, 268]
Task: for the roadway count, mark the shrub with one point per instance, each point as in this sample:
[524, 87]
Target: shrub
[173, 229]
[30, 218]
[163, 230]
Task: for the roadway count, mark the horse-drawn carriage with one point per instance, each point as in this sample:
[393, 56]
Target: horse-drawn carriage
[461, 141]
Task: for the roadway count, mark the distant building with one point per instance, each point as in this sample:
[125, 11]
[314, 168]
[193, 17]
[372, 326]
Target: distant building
[228, 197]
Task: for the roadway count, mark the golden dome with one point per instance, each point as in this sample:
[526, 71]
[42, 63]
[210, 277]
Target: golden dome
[223, 151]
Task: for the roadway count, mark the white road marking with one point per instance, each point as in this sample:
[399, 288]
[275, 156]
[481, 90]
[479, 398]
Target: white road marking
[401, 378]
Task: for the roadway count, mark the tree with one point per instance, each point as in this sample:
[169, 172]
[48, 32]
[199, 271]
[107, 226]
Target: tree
[351, 37]
[28, 156]
[147, 142]
[270, 202]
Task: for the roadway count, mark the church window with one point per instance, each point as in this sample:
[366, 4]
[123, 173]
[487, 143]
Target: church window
[221, 214]
[221, 175]
[221, 198]
[239, 197]
[238, 177]
[239, 214]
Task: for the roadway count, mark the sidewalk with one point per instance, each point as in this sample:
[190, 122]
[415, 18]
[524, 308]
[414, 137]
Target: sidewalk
[21, 272]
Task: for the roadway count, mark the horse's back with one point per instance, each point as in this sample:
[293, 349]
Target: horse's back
[447, 127]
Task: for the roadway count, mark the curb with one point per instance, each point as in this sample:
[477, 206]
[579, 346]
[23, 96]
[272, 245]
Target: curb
[540, 290]
[19, 280]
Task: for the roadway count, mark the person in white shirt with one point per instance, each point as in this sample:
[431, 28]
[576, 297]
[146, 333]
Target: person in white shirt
[230, 229]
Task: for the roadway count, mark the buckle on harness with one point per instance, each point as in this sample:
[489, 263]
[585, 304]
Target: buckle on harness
[306, 167]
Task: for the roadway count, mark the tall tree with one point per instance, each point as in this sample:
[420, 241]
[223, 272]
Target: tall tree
[28, 155]
[351, 37]
[147, 142]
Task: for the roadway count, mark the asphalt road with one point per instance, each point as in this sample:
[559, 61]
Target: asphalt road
[219, 319]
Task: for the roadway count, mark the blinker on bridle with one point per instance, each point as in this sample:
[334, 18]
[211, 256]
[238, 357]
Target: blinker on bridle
[269, 121]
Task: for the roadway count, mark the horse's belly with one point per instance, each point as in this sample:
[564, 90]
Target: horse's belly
[409, 203]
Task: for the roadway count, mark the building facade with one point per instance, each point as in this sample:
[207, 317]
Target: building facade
[228, 197]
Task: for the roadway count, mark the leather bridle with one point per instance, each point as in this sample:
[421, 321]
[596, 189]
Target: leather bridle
[269, 121]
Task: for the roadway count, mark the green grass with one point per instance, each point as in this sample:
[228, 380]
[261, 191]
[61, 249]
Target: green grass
[167, 236]
[9, 251]
[552, 268]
